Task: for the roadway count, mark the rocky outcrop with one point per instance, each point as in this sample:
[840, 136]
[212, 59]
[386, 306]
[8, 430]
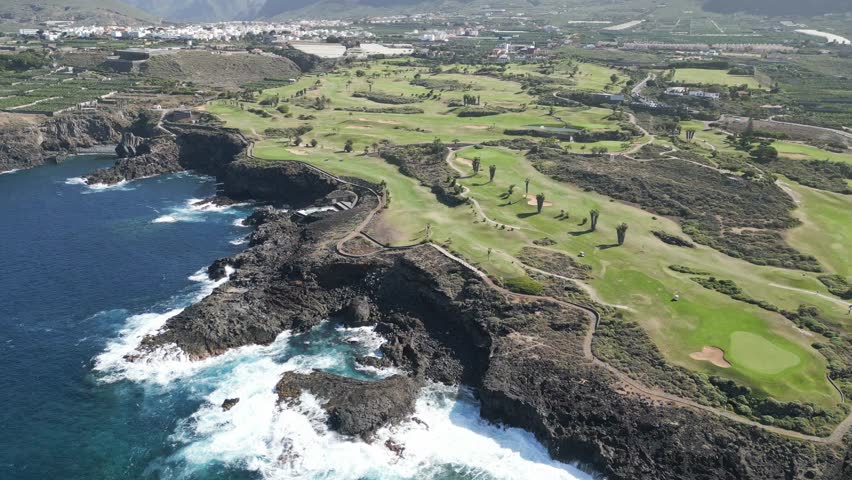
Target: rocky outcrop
[354, 407]
[26, 144]
[161, 156]
[131, 146]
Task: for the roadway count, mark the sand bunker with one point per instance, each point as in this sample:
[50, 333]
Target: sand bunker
[476, 127]
[296, 151]
[714, 355]
[359, 127]
[531, 201]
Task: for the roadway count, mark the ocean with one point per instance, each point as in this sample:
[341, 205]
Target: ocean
[87, 272]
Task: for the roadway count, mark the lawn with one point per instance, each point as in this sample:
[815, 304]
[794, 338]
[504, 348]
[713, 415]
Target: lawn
[696, 76]
[826, 230]
[634, 276]
[807, 152]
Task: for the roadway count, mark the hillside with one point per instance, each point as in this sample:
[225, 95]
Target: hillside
[204, 68]
[32, 12]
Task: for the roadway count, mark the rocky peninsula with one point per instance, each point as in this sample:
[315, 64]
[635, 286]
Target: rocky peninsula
[442, 323]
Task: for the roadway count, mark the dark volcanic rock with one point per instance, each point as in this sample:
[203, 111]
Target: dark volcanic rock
[131, 146]
[24, 144]
[229, 403]
[161, 157]
[218, 269]
[357, 313]
[355, 407]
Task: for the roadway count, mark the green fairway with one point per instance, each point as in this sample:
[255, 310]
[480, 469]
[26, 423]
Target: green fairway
[807, 152]
[703, 76]
[826, 230]
[635, 277]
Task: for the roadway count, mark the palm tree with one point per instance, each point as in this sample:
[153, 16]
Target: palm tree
[476, 163]
[621, 230]
[593, 215]
[527, 186]
[511, 189]
[492, 169]
[539, 202]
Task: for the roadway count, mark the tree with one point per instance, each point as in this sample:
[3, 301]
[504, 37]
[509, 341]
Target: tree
[511, 189]
[539, 202]
[314, 142]
[492, 169]
[476, 164]
[527, 186]
[764, 153]
[366, 149]
[621, 231]
[593, 215]
[613, 79]
[348, 146]
[690, 134]
[297, 141]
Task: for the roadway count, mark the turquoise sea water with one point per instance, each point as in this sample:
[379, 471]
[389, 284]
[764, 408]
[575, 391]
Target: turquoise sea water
[86, 272]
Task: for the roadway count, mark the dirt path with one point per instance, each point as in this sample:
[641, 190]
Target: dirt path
[811, 292]
[651, 393]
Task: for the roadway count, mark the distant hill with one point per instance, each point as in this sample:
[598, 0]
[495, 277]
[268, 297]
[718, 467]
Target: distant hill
[805, 8]
[33, 12]
[196, 10]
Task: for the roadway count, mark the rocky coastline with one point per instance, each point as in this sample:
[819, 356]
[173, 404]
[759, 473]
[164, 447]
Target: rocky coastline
[26, 144]
[441, 322]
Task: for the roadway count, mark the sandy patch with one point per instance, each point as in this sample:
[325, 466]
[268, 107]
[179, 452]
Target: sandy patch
[476, 127]
[385, 122]
[531, 201]
[296, 151]
[794, 156]
[714, 355]
[359, 127]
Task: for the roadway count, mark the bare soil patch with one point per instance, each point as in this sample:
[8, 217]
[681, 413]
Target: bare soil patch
[359, 127]
[714, 355]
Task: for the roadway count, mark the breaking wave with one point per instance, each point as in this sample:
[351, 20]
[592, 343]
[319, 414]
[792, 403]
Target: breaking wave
[195, 210]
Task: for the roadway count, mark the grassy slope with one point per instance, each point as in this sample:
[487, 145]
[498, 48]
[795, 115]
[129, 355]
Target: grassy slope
[635, 275]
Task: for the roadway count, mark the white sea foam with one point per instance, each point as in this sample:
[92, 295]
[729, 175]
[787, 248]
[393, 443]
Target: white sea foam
[239, 223]
[124, 185]
[239, 241]
[7, 172]
[75, 181]
[292, 441]
[163, 364]
[194, 211]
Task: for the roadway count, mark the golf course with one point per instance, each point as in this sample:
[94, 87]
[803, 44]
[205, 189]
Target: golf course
[340, 122]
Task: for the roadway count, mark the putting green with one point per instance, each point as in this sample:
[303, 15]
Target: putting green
[754, 352]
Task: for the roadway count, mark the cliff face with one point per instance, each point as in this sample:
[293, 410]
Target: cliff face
[25, 145]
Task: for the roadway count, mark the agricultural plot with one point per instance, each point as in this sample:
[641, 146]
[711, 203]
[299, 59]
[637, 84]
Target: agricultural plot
[700, 76]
